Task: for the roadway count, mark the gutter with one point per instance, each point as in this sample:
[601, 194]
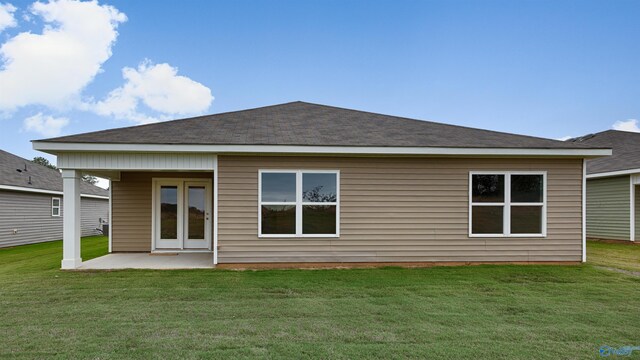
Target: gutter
[613, 173]
[56, 147]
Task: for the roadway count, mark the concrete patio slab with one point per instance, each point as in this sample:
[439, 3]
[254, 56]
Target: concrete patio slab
[149, 261]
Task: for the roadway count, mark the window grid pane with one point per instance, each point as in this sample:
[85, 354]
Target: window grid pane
[487, 219]
[319, 219]
[168, 212]
[527, 188]
[488, 188]
[278, 187]
[196, 212]
[279, 219]
[319, 188]
[526, 219]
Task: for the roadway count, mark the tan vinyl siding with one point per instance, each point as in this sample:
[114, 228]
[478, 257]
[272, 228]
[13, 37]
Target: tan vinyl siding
[608, 208]
[397, 209]
[132, 208]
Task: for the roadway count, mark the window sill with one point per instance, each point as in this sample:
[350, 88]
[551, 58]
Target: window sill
[508, 236]
[267, 236]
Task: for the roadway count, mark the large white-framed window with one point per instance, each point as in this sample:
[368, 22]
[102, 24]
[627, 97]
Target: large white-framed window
[298, 203]
[507, 204]
[55, 206]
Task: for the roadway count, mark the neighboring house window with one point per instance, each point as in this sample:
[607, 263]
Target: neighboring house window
[55, 206]
[299, 203]
[508, 204]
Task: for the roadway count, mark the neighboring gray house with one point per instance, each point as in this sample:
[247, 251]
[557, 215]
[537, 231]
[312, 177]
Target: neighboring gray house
[31, 203]
[613, 185]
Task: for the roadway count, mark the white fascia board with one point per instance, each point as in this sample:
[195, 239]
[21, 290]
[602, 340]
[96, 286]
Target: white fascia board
[613, 173]
[42, 191]
[55, 148]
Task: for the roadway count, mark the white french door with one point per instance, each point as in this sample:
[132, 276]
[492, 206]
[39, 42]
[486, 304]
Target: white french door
[182, 214]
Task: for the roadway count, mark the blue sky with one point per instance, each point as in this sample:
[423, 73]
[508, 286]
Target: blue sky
[543, 68]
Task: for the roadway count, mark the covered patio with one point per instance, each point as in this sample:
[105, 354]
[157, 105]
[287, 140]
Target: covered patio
[163, 261]
[162, 206]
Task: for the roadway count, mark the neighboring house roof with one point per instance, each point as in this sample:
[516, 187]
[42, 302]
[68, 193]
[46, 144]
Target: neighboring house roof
[626, 151]
[305, 124]
[16, 172]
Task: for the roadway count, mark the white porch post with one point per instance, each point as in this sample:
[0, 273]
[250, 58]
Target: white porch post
[71, 219]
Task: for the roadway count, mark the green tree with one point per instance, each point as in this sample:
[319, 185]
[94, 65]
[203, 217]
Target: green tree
[44, 162]
[90, 179]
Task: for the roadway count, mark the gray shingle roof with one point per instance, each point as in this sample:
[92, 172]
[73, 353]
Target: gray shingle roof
[626, 150]
[42, 177]
[300, 123]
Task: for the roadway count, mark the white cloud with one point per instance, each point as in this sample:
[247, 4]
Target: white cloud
[159, 88]
[565, 138]
[629, 125]
[6, 16]
[45, 125]
[53, 67]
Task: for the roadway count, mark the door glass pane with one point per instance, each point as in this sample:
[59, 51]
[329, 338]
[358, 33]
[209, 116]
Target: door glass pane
[196, 212]
[526, 188]
[319, 219]
[168, 212]
[487, 220]
[319, 188]
[526, 219]
[278, 187]
[487, 188]
[278, 219]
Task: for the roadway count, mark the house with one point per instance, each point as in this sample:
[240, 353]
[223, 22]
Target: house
[31, 203]
[613, 206]
[307, 183]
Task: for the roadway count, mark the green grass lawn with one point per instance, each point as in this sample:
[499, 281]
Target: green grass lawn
[479, 312]
[616, 255]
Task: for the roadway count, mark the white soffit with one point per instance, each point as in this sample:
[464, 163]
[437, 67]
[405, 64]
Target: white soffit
[136, 161]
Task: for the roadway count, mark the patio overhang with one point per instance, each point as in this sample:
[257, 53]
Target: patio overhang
[112, 166]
